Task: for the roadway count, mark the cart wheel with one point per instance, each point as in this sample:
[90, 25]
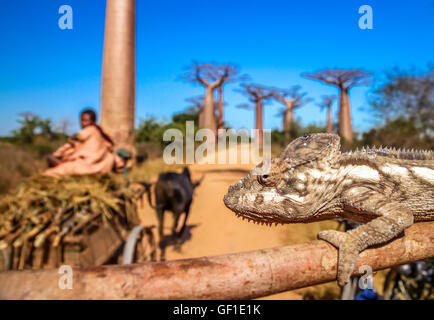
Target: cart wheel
[130, 245]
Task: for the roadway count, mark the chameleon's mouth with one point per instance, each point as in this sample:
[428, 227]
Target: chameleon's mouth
[253, 213]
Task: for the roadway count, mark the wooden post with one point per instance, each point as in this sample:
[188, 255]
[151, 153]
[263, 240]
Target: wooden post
[118, 72]
[244, 275]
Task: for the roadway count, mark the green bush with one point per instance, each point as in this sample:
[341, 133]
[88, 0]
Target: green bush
[399, 133]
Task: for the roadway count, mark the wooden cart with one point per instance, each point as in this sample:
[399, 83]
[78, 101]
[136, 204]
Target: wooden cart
[82, 239]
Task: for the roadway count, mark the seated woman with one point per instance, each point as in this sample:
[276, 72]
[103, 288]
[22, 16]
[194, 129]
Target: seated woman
[89, 152]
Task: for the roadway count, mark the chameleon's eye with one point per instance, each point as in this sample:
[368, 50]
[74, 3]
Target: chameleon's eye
[266, 180]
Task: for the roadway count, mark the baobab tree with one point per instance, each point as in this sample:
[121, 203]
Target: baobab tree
[233, 78]
[197, 103]
[344, 80]
[212, 76]
[118, 72]
[292, 99]
[259, 95]
[326, 103]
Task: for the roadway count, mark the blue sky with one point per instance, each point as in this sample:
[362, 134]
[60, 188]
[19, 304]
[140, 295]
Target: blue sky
[55, 73]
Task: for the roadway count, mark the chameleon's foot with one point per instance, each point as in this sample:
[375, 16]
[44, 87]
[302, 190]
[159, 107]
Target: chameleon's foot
[332, 236]
[348, 252]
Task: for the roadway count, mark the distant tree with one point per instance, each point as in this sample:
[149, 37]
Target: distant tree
[277, 137]
[398, 133]
[197, 103]
[258, 95]
[292, 99]
[149, 130]
[45, 127]
[64, 126]
[212, 76]
[189, 114]
[234, 77]
[407, 94]
[344, 80]
[298, 130]
[26, 132]
[327, 102]
[30, 125]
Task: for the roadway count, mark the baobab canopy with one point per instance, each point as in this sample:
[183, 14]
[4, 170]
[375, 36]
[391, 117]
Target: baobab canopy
[344, 80]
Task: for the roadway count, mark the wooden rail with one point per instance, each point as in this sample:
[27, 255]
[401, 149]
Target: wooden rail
[232, 276]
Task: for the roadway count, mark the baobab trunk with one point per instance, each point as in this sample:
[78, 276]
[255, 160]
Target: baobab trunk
[220, 119]
[289, 119]
[329, 127]
[259, 122]
[284, 128]
[208, 110]
[345, 127]
[201, 118]
[118, 72]
[344, 79]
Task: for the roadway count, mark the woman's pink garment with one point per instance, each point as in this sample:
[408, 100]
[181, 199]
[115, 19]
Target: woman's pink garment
[90, 154]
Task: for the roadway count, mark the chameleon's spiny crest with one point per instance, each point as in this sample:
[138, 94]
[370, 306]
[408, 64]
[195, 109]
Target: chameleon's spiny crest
[311, 147]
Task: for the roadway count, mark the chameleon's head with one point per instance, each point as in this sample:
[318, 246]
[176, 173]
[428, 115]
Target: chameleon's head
[277, 191]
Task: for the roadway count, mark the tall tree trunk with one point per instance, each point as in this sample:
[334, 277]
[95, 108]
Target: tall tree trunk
[329, 120]
[259, 123]
[201, 117]
[221, 118]
[208, 110]
[289, 119]
[118, 72]
[345, 128]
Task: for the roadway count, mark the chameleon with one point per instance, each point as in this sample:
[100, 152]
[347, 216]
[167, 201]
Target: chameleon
[384, 189]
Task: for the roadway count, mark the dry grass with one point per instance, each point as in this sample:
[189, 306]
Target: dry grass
[43, 211]
[17, 163]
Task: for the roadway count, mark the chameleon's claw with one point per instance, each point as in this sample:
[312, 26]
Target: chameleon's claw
[333, 236]
[347, 255]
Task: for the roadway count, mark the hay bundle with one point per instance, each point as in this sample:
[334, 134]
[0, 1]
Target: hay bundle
[45, 213]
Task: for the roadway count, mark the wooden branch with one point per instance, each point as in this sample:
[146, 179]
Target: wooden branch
[233, 276]
[199, 78]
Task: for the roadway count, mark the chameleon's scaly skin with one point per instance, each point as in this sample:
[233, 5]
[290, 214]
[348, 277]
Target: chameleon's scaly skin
[312, 180]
